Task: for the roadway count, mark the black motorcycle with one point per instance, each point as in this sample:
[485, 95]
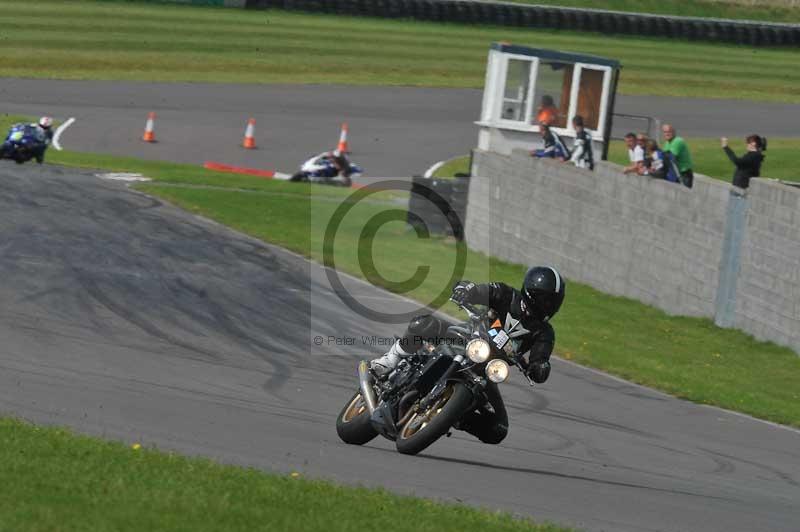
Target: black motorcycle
[432, 391]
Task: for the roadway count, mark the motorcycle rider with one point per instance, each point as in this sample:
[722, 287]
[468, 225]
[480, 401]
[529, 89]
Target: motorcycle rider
[554, 147]
[340, 162]
[319, 164]
[582, 148]
[41, 132]
[45, 130]
[534, 305]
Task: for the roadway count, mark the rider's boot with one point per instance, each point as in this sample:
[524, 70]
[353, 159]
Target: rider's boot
[385, 364]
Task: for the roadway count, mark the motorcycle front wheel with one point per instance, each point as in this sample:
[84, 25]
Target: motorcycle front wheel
[424, 428]
[353, 425]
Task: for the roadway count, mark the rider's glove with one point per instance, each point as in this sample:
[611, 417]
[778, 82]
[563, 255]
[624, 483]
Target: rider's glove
[538, 370]
[461, 291]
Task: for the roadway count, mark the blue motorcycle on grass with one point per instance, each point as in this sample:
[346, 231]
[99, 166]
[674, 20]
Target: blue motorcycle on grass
[23, 143]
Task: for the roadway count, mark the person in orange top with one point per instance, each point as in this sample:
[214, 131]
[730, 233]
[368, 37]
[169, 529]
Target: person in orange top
[547, 112]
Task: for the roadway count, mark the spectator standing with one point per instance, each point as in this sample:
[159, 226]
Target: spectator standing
[582, 148]
[678, 148]
[635, 155]
[641, 141]
[554, 147]
[749, 164]
[659, 164]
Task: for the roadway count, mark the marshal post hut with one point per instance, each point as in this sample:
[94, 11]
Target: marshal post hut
[527, 85]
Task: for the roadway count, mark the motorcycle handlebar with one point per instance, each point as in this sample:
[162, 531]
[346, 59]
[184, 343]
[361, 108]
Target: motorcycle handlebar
[471, 311]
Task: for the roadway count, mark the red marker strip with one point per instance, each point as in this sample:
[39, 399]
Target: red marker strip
[219, 167]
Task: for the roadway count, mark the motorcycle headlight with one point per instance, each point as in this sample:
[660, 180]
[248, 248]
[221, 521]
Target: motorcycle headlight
[497, 370]
[478, 350]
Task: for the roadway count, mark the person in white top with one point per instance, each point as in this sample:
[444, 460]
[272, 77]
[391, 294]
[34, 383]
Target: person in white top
[635, 154]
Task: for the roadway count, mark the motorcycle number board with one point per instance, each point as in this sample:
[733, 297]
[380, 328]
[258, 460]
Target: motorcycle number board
[500, 339]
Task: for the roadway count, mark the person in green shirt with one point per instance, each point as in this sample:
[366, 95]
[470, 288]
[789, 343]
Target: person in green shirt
[678, 148]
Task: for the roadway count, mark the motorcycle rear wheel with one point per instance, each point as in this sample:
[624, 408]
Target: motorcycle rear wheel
[353, 425]
[424, 428]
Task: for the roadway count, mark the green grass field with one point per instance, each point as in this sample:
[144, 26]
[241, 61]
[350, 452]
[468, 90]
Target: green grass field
[56, 481]
[129, 41]
[775, 11]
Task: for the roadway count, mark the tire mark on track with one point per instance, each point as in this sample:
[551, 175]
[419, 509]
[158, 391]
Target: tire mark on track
[547, 473]
[596, 423]
[785, 477]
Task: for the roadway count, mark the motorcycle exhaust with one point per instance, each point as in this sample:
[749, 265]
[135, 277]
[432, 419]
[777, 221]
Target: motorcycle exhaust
[365, 383]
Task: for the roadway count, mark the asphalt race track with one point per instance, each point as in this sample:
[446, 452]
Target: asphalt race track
[394, 131]
[131, 319]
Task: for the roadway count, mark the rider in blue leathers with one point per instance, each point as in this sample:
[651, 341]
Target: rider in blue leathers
[35, 138]
[554, 147]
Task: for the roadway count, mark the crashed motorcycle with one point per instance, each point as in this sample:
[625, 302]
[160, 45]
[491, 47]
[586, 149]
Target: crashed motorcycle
[23, 143]
[437, 388]
[325, 169]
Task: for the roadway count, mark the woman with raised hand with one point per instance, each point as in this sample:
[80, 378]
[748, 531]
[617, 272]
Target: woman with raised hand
[749, 164]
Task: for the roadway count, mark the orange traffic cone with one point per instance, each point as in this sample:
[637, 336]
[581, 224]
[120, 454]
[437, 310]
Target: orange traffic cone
[342, 147]
[149, 133]
[249, 139]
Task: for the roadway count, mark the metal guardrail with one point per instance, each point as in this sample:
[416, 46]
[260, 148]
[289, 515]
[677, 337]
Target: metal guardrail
[752, 33]
[653, 130]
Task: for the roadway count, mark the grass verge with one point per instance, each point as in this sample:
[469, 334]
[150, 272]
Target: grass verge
[60, 481]
[457, 165]
[451, 167]
[82, 39]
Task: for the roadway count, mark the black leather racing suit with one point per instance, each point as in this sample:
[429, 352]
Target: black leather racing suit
[492, 427]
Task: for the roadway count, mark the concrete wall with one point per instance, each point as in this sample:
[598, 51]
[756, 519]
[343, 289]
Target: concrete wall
[650, 240]
[768, 287]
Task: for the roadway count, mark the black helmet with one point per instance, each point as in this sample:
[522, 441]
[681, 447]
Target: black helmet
[542, 292]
